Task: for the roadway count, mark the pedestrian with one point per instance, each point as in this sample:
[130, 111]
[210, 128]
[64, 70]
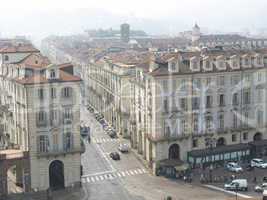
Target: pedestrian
[255, 179]
[89, 139]
[202, 178]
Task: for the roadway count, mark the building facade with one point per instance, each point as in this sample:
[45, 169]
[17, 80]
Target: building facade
[189, 105]
[41, 118]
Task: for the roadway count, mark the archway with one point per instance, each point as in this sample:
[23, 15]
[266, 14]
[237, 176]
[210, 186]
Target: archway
[56, 175]
[221, 142]
[257, 136]
[174, 152]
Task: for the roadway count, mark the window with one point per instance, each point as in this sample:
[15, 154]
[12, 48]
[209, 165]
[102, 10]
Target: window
[260, 95]
[165, 104]
[259, 60]
[234, 138]
[221, 100]
[208, 101]
[53, 93]
[53, 117]
[246, 61]
[234, 121]
[67, 114]
[173, 66]
[208, 122]
[195, 123]
[259, 76]
[207, 64]
[6, 58]
[68, 143]
[167, 131]
[43, 143]
[208, 81]
[234, 80]
[235, 99]
[221, 81]
[195, 64]
[41, 118]
[221, 121]
[184, 126]
[195, 143]
[247, 96]
[67, 92]
[246, 119]
[245, 136]
[183, 103]
[260, 117]
[52, 73]
[195, 103]
[41, 93]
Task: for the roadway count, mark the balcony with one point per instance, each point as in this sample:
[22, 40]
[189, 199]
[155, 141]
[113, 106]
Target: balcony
[60, 152]
[168, 138]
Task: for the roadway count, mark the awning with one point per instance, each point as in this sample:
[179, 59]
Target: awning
[219, 150]
[182, 167]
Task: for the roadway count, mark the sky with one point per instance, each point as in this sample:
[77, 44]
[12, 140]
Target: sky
[40, 18]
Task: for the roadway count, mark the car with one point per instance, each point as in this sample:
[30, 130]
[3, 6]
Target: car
[260, 188]
[85, 131]
[115, 155]
[237, 184]
[233, 167]
[124, 148]
[257, 162]
[112, 134]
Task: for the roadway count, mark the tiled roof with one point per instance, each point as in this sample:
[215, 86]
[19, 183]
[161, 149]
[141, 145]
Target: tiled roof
[41, 79]
[19, 49]
[34, 61]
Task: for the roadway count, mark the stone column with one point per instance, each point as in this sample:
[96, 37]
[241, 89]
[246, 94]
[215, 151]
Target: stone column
[19, 175]
[3, 179]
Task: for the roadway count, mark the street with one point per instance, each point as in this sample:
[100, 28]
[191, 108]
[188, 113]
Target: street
[105, 179]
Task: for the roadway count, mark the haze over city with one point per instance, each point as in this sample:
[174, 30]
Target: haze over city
[44, 17]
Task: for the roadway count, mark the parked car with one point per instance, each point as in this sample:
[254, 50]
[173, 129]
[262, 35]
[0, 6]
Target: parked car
[237, 184]
[124, 148]
[260, 188]
[233, 167]
[257, 162]
[115, 155]
[90, 109]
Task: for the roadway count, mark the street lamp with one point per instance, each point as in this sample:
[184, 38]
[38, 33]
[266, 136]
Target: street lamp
[210, 143]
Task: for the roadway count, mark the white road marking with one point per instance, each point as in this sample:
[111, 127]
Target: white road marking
[123, 173]
[131, 172]
[88, 180]
[140, 171]
[127, 173]
[229, 192]
[144, 170]
[96, 177]
[136, 172]
[101, 178]
[119, 175]
[92, 179]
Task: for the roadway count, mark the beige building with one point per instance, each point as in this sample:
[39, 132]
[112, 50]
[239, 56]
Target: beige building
[107, 86]
[200, 107]
[42, 119]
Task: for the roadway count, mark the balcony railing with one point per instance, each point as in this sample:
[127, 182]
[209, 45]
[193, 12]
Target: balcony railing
[57, 152]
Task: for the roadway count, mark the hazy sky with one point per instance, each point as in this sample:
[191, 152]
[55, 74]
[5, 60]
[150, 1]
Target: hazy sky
[43, 17]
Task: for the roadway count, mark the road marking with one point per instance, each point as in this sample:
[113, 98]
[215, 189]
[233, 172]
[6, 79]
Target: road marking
[131, 172]
[127, 173]
[119, 175]
[136, 172]
[229, 192]
[144, 170]
[123, 173]
[92, 179]
[101, 178]
[140, 171]
[99, 173]
[97, 178]
[88, 180]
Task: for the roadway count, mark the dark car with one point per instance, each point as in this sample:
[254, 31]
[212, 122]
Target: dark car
[112, 134]
[115, 156]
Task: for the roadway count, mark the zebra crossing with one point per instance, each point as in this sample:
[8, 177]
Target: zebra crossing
[104, 140]
[113, 175]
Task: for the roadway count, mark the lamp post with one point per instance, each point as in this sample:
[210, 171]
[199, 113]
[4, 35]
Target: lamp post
[210, 143]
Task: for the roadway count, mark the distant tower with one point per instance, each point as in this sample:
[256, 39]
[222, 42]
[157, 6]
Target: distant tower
[125, 33]
[196, 33]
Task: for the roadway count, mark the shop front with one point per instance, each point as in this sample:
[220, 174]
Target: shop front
[172, 168]
[219, 155]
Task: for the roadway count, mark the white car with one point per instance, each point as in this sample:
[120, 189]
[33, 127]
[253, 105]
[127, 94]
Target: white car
[260, 188]
[233, 167]
[257, 162]
[237, 184]
[124, 148]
